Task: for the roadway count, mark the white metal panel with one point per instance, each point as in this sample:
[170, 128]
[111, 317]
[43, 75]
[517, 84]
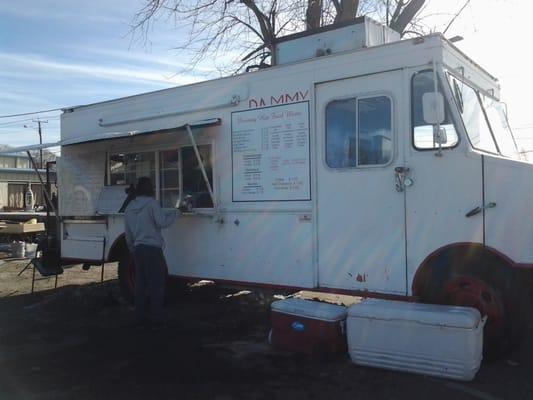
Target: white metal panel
[364, 33]
[166, 109]
[361, 232]
[508, 225]
[262, 247]
[444, 190]
[196, 101]
[468, 70]
[83, 240]
[438, 349]
[82, 248]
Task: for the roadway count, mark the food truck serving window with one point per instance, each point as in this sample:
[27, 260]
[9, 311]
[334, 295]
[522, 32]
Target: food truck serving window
[179, 174]
[125, 169]
[359, 132]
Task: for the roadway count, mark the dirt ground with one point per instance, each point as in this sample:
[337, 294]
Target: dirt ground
[76, 342]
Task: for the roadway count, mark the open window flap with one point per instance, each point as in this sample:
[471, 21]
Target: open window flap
[202, 167]
[111, 135]
[29, 148]
[117, 135]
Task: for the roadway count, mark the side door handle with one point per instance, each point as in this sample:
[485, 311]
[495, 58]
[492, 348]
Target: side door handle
[400, 178]
[473, 212]
[478, 209]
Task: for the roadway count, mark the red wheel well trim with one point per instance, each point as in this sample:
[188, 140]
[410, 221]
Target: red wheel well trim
[423, 265]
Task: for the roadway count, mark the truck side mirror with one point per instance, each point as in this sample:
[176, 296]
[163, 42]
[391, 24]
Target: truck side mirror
[433, 108]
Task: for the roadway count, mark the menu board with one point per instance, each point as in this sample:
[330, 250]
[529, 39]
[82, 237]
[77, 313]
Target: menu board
[270, 153]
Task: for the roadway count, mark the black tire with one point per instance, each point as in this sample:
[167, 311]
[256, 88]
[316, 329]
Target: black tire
[458, 275]
[471, 291]
[126, 277]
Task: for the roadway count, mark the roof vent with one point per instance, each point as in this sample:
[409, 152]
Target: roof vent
[357, 34]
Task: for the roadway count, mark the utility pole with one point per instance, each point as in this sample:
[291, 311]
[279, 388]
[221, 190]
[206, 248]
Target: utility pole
[39, 122]
[40, 131]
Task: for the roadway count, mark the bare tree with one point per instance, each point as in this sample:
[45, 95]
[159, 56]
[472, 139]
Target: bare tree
[242, 33]
[313, 14]
[345, 9]
[228, 31]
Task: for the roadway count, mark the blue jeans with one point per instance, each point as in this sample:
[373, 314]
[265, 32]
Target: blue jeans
[150, 277]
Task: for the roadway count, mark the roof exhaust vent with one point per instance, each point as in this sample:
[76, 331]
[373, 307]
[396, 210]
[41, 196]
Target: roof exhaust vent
[357, 34]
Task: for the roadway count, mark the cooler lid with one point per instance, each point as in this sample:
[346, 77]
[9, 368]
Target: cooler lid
[310, 309]
[428, 314]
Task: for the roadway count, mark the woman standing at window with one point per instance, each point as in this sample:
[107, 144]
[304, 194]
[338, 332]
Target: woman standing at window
[144, 220]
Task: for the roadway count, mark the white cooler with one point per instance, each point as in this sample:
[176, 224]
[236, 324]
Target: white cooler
[427, 339]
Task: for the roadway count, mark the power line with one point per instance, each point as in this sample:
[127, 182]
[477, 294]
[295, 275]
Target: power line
[24, 122]
[15, 122]
[31, 113]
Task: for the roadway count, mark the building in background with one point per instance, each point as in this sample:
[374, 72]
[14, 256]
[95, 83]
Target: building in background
[16, 174]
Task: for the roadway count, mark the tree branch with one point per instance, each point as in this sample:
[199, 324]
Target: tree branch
[348, 10]
[456, 16]
[408, 13]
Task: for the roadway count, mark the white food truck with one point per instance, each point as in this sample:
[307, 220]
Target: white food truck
[360, 163]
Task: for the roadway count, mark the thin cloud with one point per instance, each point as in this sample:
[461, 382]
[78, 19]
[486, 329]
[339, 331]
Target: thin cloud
[40, 64]
[146, 57]
[57, 12]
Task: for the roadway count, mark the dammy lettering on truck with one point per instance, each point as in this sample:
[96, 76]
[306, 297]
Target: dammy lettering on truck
[284, 98]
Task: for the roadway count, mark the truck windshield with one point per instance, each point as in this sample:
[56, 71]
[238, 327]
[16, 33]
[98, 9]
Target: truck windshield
[484, 120]
[500, 126]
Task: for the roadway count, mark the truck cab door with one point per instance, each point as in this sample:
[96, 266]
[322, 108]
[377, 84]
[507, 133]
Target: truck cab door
[445, 186]
[361, 211]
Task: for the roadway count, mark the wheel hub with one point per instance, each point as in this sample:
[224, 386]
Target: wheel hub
[471, 292]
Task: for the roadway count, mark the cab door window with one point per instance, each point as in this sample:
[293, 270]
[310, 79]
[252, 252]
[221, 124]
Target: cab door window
[423, 137]
[359, 132]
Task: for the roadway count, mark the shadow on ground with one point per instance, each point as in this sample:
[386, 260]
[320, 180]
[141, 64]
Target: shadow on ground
[76, 342]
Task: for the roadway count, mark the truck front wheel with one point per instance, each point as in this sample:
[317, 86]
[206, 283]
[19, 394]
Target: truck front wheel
[468, 291]
[126, 276]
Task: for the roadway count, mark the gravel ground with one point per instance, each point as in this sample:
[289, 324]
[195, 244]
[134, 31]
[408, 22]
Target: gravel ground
[76, 342]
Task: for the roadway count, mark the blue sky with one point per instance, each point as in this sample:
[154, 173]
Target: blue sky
[56, 53]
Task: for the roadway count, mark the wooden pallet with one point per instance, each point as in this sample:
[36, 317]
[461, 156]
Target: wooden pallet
[16, 229]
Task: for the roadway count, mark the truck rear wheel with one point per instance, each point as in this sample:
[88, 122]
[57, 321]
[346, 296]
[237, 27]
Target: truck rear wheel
[126, 276]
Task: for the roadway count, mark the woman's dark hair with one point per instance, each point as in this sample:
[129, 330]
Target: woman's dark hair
[144, 187]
